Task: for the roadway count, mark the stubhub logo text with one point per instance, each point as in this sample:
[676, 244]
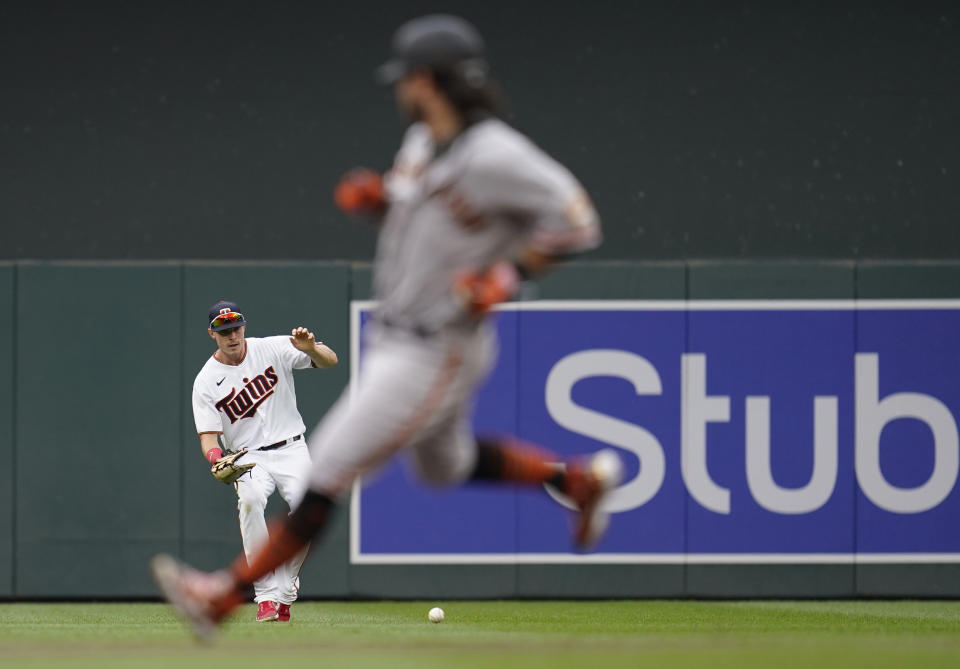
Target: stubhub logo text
[793, 431]
[698, 409]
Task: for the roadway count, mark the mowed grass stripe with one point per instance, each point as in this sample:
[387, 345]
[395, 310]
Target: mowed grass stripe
[502, 634]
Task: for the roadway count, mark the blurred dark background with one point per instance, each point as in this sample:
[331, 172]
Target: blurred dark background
[217, 130]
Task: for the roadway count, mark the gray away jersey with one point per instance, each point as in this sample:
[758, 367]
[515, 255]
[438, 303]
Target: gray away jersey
[489, 196]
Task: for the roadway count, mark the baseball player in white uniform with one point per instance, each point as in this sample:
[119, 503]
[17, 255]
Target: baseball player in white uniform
[245, 396]
[470, 208]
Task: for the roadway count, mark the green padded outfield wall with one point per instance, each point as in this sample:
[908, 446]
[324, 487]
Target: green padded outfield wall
[112, 381]
[7, 468]
[97, 389]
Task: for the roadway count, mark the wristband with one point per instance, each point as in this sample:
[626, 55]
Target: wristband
[213, 454]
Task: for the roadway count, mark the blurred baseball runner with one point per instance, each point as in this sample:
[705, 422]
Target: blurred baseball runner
[245, 395]
[470, 208]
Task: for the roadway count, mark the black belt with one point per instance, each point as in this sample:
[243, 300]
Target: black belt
[280, 443]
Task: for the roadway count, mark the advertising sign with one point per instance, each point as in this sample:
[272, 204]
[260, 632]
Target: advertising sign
[750, 431]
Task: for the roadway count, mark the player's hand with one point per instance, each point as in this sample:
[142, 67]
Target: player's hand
[481, 290]
[360, 191]
[302, 339]
[226, 470]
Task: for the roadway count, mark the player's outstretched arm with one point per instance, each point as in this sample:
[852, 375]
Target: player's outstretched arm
[321, 354]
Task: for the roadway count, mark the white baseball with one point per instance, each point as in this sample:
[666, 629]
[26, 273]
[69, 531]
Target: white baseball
[435, 615]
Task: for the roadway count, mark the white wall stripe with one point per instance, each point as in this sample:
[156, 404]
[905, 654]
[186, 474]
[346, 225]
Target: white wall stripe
[658, 558]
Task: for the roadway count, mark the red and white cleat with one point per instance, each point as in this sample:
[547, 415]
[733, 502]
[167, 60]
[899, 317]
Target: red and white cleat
[586, 485]
[193, 593]
[283, 613]
[267, 612]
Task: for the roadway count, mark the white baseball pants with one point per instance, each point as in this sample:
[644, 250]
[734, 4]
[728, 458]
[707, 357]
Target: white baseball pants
[284, 469]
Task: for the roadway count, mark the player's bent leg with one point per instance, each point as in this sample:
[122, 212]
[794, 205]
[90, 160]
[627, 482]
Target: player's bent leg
[252, 495]
[445, 454]
[205, 599]
[253, 492]
[290, 536]
[584, 481]
[290, 468]
[510, 459]
[289, 581]
[284, 611]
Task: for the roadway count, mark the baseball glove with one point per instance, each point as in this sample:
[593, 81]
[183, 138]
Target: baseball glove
[226, 470]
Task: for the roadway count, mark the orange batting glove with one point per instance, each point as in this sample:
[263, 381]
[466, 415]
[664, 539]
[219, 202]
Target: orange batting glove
[360, 191]
[480, 291]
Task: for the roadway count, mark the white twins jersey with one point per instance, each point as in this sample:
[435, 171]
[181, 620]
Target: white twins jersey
[254, 403]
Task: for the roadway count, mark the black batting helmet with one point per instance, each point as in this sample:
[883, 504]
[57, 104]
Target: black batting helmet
[437, 42]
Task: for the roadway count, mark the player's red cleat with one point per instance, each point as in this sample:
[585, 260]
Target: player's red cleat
[200, 598]
[267, 612]
[283, 613]
[586, 485]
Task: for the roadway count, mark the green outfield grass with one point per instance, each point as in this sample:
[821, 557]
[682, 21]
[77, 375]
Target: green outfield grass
[502, 634]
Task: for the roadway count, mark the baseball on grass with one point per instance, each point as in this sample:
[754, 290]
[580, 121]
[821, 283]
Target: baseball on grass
[435, 615]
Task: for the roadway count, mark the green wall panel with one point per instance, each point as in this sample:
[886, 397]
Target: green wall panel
[891, 280]
[771, 280]
[765, 580]
[613, 281]
[98, 386]
[600, 580]
[361, 281]
[7, 462]
[582, 281]
[443, 581]
[275, 298]
[913, 580]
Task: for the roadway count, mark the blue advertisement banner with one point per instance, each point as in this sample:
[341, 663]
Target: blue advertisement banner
[750, 431]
